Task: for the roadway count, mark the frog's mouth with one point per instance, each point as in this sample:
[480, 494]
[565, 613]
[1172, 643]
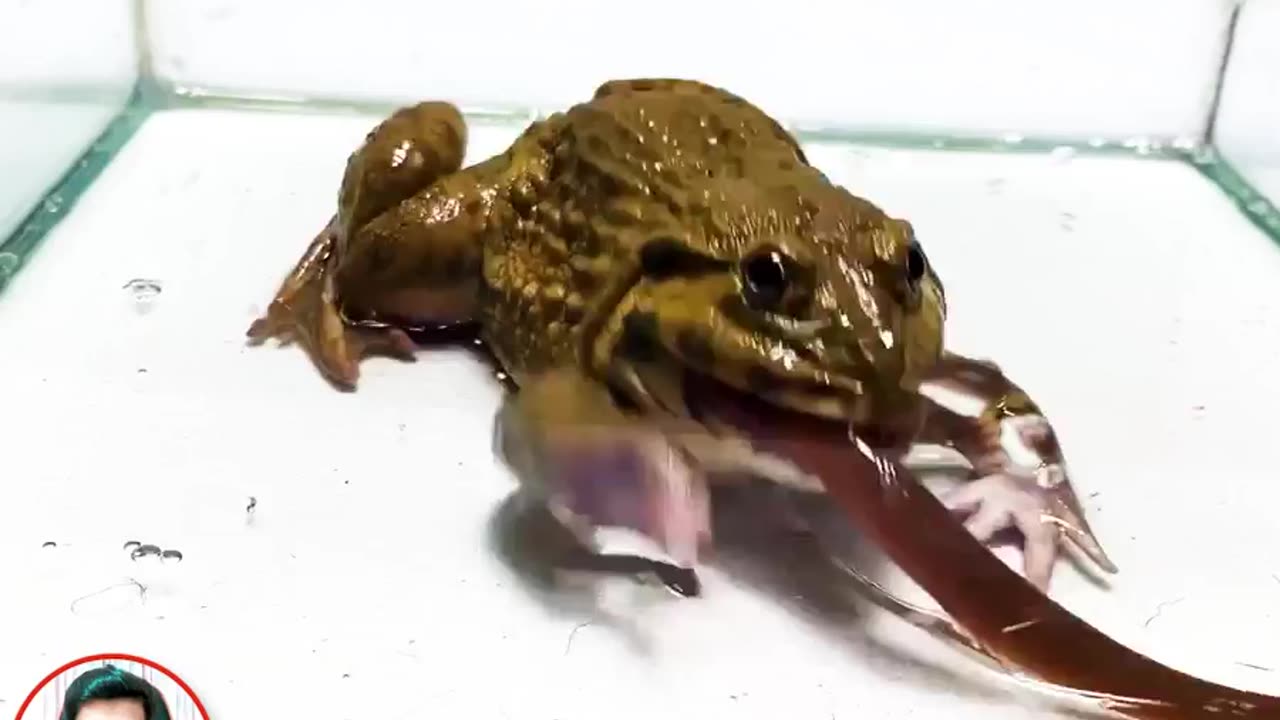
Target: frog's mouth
[714, 402]
[760, 417]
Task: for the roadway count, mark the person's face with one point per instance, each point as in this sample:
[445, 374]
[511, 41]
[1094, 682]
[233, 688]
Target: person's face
[121, 709]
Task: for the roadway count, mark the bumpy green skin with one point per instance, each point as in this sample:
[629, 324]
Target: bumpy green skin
[664, 229]
[559, 224]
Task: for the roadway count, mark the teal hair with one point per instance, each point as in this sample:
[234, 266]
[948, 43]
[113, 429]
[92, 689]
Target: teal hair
[111, 683]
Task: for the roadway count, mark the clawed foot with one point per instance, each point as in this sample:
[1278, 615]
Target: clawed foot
[305, 309]
[1039, 504]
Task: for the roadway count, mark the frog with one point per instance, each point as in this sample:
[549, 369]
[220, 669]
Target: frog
[662, 236]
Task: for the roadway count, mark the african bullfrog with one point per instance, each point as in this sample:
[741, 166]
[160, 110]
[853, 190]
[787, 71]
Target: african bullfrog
[662, 234]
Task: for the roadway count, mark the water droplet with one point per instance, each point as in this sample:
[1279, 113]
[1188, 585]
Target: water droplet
[130, 545]
[501, 376]
[8, 263]
[1012, 138]
[1062, 154]
[144, 292]
[171, 556]
[253, 503]
[144, 551]
[1259, 207]
[49, 544]
[1097, 142]
[939, 144]
[53, 203]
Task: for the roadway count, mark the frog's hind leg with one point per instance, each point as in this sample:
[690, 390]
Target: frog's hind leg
[402, 156]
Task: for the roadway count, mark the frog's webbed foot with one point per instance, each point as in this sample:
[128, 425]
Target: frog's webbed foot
[1040, 505]
[1033, 493]
[304, 309]
[597, 467]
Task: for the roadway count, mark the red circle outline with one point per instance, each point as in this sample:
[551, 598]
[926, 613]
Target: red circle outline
[112, 656]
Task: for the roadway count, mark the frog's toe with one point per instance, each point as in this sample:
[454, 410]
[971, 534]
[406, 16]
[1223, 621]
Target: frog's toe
[390, 341]
[1036, 509]
[334, 347]
[273, 324]
[341, 350]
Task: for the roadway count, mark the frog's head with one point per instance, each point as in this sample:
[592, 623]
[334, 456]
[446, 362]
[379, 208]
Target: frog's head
[833, 311]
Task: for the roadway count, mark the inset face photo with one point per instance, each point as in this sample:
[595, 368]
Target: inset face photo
[112, 687]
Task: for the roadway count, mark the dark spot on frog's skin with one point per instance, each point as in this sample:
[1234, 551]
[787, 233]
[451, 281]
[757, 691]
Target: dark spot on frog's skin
[454, 265]
[761, 380]
[380, 256]
[619, 216]
[597, 145]
[786, 165]
[640, 336]
[666, 256]
[585, 280]
[472, 207]
[643, 85]
[429, 266]
[573, 313]
[587, 243]
[695, 349]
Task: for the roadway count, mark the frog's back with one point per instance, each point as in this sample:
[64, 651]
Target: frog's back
[682, 132]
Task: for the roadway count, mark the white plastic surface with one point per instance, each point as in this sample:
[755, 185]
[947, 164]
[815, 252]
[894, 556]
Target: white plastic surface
[1248, 124]
[1091, 68]
[66, 68]
[364, 583]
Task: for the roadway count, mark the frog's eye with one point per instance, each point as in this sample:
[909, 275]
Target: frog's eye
[767, 277]
[916, 264]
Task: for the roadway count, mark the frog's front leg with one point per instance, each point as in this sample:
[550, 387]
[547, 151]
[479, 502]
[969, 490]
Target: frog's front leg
[596, 466]
[405, 154]
[1020, 476]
